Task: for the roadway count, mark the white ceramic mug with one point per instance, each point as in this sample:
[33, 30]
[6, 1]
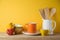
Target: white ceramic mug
[47, 25]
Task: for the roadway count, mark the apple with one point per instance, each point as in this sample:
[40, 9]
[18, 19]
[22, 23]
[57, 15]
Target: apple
[10, 31]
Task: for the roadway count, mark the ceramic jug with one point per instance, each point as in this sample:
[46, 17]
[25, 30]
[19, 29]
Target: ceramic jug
[48, 25]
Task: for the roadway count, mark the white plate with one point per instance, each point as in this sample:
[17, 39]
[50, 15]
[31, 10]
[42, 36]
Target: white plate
[26, 33]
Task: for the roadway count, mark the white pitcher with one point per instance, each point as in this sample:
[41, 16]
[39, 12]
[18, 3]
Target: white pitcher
[47, 25]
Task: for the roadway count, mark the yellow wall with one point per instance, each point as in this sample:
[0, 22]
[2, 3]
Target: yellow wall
[24, 11]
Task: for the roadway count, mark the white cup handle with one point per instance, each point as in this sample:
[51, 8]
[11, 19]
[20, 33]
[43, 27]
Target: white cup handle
[54, 25]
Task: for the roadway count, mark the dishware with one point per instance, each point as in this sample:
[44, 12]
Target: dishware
[31, 34]
[44, 32]
[47, 25]
[31, 27]
[18, 28]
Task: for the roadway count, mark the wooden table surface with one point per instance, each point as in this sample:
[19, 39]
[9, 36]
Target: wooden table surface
[4, 36]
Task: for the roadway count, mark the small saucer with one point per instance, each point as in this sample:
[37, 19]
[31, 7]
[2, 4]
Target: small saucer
[26, 33]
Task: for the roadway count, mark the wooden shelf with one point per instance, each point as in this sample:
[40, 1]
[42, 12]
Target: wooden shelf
[4, 36]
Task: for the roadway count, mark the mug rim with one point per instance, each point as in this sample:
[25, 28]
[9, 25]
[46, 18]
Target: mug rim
[18, 25]
[32, 22]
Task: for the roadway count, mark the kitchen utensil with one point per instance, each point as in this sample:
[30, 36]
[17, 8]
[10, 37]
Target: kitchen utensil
[42, 13]
[47, 25]
[46, 11]
[52, 12]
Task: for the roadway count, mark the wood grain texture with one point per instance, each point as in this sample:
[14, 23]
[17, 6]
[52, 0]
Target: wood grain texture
[4, 36]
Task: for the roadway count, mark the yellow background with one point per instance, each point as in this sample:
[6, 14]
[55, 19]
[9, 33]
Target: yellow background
[24, 11]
